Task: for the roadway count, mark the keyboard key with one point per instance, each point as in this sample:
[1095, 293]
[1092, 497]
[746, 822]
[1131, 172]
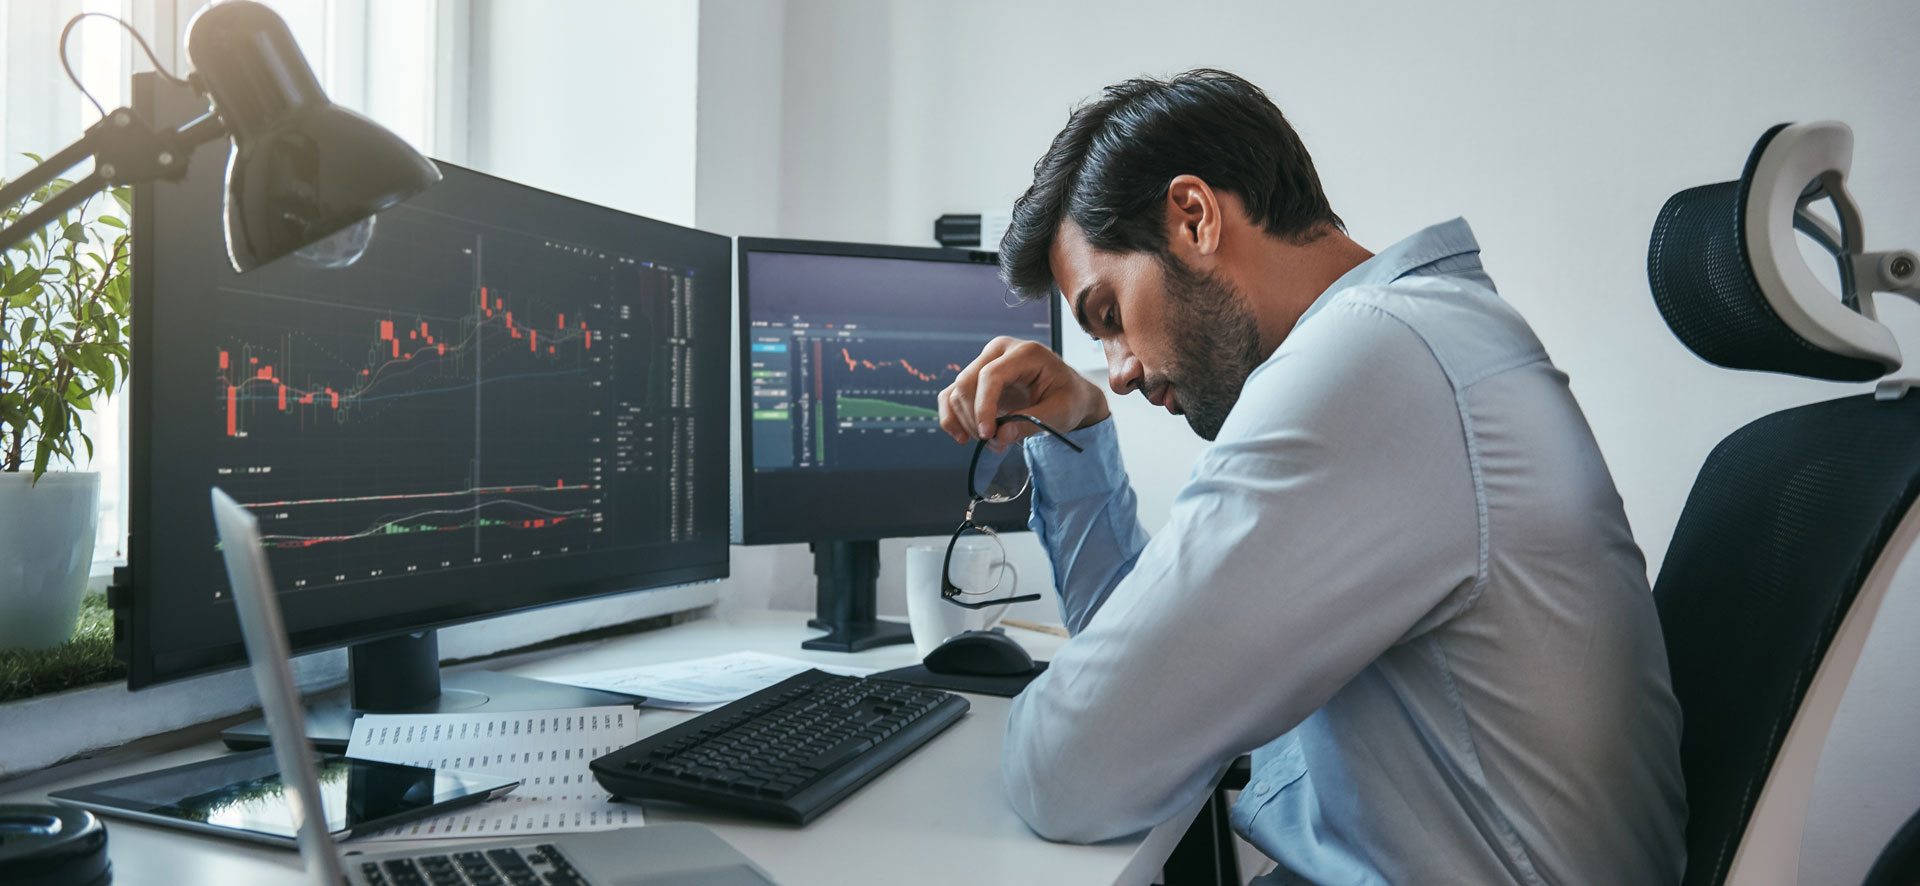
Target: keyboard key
[506, 859]
[838, 755]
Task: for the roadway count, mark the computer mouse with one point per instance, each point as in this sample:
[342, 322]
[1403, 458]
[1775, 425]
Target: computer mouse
[979, 654]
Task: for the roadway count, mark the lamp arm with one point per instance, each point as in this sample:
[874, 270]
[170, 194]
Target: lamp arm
[55, 207]
[198, 131]
[33, 179]
[126, 149]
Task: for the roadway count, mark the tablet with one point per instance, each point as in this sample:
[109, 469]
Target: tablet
[239, 795]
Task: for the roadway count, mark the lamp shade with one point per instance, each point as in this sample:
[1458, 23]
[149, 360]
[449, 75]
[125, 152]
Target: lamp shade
[301, 168]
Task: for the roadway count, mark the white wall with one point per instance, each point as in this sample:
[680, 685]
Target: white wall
[594, 99]
[742, 46]
[1556, 129]
[737, 178]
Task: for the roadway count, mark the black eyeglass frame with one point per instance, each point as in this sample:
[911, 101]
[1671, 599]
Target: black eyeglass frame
[951, 592]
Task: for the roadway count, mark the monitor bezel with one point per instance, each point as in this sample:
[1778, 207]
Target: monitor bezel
[753, 530]
[133, 600]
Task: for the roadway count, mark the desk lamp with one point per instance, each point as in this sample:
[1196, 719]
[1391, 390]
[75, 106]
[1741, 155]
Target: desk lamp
[301, 170]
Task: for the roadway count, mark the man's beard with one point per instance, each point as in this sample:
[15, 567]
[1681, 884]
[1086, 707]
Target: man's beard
[1216, 345]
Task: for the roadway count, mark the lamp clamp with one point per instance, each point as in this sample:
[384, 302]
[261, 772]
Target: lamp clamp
[127, 150]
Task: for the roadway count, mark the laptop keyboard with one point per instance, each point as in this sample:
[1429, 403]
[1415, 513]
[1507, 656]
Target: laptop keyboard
[544, 866]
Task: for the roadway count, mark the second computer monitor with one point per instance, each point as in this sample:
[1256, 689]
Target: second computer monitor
[844, 350]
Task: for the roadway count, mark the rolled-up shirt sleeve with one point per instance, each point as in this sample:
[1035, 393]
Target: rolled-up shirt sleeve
[1086, 517]
[1334, 517]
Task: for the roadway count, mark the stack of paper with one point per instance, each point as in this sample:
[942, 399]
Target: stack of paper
[702, 684]
[547, 750]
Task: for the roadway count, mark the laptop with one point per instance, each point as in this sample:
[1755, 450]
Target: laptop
[653, 855]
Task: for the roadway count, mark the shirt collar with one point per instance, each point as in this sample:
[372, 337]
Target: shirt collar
[1444, 240]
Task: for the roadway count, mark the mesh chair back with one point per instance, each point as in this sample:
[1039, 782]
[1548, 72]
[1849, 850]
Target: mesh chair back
[1701, 272]
[1786, 519]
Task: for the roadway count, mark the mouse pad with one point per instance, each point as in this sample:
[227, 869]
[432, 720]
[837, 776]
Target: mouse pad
[1005, 687]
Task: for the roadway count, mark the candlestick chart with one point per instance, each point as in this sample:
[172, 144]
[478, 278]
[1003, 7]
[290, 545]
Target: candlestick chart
[469, 397]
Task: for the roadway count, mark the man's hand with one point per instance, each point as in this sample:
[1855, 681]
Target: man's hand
[1018, 375]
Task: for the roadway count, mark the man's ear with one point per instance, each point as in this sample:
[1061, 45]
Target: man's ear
[1193, 218]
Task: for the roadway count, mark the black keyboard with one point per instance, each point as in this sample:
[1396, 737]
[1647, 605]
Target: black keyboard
[788, 752]
[495, 867]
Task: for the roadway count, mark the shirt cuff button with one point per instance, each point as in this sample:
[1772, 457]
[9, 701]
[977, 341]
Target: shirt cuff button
[1261, 788]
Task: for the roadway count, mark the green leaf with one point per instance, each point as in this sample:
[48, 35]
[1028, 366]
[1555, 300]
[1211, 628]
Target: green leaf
[95, 362]
[119, 291]
[113, 222]
[124, 197]
[76, 233]
[21, 281]
[53, 424]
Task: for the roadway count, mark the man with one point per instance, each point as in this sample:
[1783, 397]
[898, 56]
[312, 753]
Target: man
[1401, 576]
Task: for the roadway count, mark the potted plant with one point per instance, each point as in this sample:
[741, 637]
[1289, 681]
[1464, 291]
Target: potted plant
[64, 302]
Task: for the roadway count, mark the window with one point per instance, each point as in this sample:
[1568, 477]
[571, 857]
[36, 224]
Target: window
[350, 43]
[532, 75]
[42, 113]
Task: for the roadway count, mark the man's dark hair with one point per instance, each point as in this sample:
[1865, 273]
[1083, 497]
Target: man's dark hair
[1109, 169]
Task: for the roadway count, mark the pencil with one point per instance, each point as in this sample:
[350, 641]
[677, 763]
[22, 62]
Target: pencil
[1055, 630]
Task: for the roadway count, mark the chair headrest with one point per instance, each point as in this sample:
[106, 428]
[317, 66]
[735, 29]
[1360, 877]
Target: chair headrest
[1727, 273]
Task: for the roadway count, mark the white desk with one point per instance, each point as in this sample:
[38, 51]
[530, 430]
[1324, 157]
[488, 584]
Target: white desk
[939, 816]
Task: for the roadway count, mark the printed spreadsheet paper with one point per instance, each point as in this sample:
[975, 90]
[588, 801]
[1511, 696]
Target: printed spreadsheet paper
[702, 684]
[547, 750]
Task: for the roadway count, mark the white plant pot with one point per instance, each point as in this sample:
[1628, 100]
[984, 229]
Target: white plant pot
[46, 548]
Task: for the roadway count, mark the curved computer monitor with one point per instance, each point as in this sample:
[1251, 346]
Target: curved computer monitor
[513, 399]
[843, 348]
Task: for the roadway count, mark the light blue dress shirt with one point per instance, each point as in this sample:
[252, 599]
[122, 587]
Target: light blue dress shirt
[1401, 578]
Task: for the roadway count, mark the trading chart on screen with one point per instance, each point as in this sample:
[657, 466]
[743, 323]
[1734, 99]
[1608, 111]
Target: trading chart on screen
[465, 394]
[847, 357]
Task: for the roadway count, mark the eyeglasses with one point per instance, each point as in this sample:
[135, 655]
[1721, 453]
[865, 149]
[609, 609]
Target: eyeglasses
[992, 477]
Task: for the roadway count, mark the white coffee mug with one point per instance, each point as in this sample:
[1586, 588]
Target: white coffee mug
[933, 619]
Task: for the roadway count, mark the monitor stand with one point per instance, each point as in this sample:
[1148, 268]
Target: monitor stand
[846, 599]
[401, 675]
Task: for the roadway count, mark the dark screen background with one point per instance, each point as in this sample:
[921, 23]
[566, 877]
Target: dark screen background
[844, 349]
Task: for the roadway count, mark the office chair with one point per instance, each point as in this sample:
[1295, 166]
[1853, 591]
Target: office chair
[1899, 863]
[1798, 523]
